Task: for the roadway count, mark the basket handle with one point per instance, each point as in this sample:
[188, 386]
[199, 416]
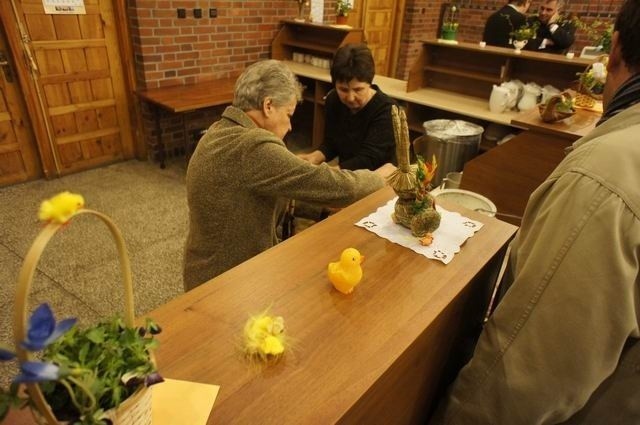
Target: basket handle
[24, 286]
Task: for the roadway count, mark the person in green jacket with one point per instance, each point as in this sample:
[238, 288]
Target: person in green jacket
[563, 345]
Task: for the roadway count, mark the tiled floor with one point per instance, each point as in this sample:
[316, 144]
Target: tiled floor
[78, 273]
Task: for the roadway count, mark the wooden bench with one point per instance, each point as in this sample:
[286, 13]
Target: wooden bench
[182, 100]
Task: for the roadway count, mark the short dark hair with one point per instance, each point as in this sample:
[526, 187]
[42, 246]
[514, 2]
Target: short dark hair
[628, 25]
[353, 61]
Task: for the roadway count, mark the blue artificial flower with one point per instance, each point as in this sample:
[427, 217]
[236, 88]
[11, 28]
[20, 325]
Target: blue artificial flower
[37, 372]
[6, 354]
[43, 329]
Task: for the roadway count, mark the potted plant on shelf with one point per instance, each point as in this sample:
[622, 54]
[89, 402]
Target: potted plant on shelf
[97, 375]
[522, 35]
[449, 26]
[343, 7]
[301, 5]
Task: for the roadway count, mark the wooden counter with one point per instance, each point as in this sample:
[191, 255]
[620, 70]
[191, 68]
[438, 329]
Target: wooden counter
[571, 128]
[510, 172]
[376, 356]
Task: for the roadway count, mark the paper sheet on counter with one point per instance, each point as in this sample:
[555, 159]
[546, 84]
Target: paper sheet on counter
[182, 402]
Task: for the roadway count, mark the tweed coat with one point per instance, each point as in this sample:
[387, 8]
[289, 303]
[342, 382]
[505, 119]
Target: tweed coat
[237, 177]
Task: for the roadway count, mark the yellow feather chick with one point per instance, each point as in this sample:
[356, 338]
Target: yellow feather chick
[346, 273]
[61, 207]
[264, 336]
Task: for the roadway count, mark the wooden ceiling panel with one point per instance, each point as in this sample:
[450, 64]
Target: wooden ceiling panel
[74, 60]
[67, 27]
[11, 164]
[97, 58]
[86, 121]
[102, 88]
[56, 94]
[50, 62]
[7, 135]
[90, 26]
[64, 125]
[80, 91]
[107, 117]
[70, 153]
[40, 27]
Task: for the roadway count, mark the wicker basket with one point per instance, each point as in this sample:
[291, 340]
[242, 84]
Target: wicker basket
[549, 112]
[586, 90]
[136, 410]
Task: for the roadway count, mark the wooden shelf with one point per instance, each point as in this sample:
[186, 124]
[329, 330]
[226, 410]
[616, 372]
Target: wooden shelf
[316, 40]
[491, 78]
[469, 69]
[316, 47]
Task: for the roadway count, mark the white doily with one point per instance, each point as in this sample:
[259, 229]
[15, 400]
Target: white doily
[454, 230]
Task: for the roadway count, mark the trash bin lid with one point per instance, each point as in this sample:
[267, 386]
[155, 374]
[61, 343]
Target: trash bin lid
[447, 129]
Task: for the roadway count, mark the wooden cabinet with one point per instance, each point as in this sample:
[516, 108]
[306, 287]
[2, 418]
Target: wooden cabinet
[473, 70]
[313, 39]
[318, 41]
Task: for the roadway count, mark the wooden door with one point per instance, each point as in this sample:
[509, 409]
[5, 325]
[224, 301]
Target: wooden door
[76, 91]
[381, 21]
[19, 160]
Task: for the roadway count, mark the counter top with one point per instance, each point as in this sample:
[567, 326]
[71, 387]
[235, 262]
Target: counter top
[571, 128]
[510, 52]
[376, 355]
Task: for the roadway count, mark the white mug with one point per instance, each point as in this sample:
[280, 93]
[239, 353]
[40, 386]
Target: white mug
[452, 180]
[499, 99]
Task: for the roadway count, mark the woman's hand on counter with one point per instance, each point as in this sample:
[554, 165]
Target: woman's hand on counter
[315, 157]
[386, 170]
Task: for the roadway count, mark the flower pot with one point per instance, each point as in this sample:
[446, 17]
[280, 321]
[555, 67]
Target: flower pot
[519, 45]
[449, 33]
[341, 20]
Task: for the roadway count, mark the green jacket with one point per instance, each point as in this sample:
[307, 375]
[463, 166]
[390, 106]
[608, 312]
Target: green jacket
[563, 343]
[237, 177]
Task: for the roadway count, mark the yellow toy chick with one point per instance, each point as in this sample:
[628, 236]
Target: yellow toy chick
[346, 273]
[61, 207]
[264, 336]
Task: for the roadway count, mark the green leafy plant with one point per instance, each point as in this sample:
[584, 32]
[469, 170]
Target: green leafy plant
[83, 373]
[599, 32]
[525, 32]
[343, 7]
[450, 23]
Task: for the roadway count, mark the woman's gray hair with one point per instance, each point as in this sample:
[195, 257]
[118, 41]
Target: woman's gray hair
[267, 78]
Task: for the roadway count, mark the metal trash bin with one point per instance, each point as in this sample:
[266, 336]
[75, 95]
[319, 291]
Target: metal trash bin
[453, 142]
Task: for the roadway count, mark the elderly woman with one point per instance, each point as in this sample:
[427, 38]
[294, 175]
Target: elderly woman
[241, 171]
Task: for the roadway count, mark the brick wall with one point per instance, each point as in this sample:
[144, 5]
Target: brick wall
[422, 20]
[172, 51]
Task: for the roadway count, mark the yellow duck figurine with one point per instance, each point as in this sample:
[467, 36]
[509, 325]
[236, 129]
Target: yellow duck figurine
[346, 273]
[61, 207]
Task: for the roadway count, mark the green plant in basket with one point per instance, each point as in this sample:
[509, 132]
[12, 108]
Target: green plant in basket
[95, 375]
[83, 373]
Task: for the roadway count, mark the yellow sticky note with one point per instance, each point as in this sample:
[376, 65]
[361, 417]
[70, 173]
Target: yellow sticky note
[182, 402]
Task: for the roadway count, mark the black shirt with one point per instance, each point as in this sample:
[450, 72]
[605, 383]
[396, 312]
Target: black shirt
[363, 140]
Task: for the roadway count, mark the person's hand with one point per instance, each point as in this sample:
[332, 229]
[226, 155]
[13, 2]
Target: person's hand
[315, 157]
[385, 170]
